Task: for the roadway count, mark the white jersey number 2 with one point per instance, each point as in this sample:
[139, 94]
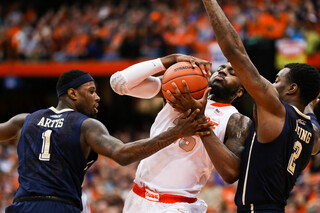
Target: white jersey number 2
[295, 155]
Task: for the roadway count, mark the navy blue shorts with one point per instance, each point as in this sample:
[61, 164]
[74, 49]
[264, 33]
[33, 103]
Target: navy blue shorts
[261, 208]
[41, 207]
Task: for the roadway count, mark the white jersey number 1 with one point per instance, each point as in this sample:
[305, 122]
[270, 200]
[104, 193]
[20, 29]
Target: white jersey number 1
[45, 155]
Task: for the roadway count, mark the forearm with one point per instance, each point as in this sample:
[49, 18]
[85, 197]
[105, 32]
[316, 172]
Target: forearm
[137, 80]
[138, 150]
[228, 39]
[226, 162]
[314, 121]
[169, 60]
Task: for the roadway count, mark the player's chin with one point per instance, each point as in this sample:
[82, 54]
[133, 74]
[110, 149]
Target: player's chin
[93, 115]
[219, 84]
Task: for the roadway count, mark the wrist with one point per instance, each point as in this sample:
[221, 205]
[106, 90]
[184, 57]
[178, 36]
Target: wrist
[169, 60]
[173, 133]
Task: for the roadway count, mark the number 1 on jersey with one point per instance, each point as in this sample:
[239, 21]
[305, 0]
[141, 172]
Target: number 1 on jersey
[45, 155]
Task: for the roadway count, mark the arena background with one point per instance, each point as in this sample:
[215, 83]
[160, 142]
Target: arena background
[39, 40]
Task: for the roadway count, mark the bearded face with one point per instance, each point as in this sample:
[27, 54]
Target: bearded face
[224, 83]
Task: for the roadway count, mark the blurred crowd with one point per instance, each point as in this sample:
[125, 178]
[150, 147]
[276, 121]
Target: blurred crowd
[109, 30]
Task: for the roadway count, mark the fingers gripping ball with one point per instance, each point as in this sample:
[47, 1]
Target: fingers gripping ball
[193, 76]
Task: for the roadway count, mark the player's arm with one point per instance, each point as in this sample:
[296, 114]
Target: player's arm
[261, 90]
[10, 129]
[226, 157]
[138, 80]
[309, 110]
[99, 140]
[316, 145]
[233, 48]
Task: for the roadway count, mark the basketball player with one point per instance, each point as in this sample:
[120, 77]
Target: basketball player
[281, 139]
[57, 145]
[171, 179]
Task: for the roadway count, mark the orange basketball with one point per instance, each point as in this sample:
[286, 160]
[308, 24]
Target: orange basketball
[193, 76]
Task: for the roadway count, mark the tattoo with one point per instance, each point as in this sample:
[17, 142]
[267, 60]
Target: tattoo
[124, 154]
[237, 131]
[255, 76]
[97, 132]
[220, 23]
[146, 147]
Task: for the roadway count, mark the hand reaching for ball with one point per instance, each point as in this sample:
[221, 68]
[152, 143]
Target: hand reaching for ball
[204, 65]
[184, 102]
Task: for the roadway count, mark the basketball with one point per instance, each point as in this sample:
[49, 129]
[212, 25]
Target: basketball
[195, 79]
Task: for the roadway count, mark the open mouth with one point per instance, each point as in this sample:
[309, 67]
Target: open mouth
[96, 108]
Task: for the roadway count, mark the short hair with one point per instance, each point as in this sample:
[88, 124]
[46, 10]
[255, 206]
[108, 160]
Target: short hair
[307, 78]
[67, 77]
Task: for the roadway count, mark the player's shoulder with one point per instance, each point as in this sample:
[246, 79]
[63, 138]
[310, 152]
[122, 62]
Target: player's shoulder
[90, 124]
[19, 119]
[238, 119]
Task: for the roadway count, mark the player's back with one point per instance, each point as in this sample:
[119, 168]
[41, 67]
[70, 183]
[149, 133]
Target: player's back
[51, 161]
[269, 170]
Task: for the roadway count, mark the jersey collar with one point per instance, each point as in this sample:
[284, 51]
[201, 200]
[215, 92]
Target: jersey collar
[217, 104]
[60, 111]
[300, 113]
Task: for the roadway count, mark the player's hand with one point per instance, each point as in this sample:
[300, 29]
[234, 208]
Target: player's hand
[204, 65]
[310, 107]
[188, 124]
[185, 101]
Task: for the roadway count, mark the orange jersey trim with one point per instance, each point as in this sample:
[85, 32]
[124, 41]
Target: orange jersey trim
[161, 198]
[216, 104]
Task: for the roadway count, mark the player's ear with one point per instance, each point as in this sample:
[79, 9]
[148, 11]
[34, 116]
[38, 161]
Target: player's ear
[72, 93]
[292, 88]
[240, 92]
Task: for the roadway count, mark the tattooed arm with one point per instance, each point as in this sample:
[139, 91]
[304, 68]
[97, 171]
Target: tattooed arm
[95, 136]
[270, 111]
[226, 157]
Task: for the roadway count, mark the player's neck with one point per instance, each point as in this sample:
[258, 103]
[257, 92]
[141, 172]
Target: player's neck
[297, 105]
[64, 105]
[219, 100]
[294, 102]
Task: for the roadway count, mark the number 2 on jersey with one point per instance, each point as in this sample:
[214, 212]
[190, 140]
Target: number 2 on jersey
[45, 155]
[295, 155]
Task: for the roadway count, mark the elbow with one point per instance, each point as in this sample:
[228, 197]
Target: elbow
[230, 180]
[124, 162]
[230, 177]
[118, 83]
[123, 158]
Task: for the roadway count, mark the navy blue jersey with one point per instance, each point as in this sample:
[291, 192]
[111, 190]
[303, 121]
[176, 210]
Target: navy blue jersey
[269, 170]
[51, 161]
